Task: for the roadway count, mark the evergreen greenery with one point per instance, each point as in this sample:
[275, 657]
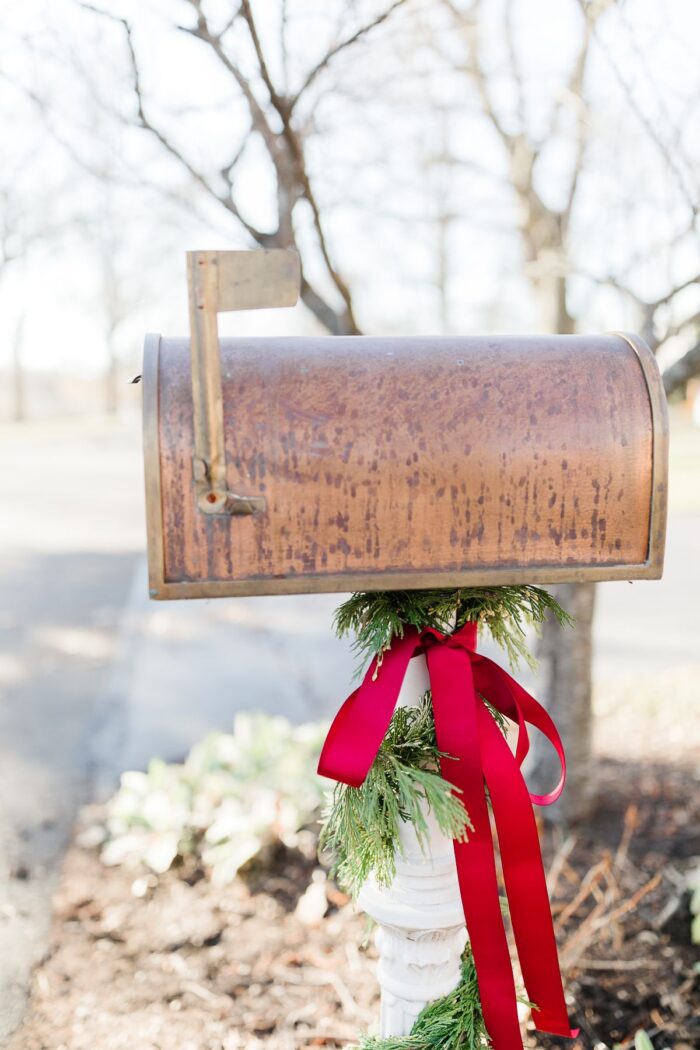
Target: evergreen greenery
[377, 617]
[455, 1022]
[361, 825]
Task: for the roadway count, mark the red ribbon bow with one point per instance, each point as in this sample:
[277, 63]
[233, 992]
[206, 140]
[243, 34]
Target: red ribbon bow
[460, 679]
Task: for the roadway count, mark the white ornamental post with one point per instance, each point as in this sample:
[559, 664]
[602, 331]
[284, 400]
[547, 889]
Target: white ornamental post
[421, 933]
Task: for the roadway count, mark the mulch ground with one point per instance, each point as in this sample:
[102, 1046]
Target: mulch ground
[158, 964]
[622, 910]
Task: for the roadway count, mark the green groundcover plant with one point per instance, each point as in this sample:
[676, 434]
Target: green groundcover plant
[233, 794]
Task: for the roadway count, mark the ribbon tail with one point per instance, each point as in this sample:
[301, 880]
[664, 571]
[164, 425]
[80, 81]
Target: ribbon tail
[457, 733]
[509, 697]
[524, 878]
[360, 725]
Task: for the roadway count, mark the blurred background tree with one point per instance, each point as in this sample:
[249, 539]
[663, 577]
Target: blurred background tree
[439, 165]
[551, 164]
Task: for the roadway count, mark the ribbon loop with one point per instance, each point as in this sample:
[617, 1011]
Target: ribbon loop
[475, 752]
[361, 724]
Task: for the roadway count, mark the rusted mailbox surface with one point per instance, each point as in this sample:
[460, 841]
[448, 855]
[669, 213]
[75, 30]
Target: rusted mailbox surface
[380, 463]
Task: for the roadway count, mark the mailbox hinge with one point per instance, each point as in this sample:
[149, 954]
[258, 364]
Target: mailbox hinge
[219, 282]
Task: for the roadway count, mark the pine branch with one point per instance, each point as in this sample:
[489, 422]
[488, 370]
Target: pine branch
[361, 825]
[375, 618]
[455, 1022]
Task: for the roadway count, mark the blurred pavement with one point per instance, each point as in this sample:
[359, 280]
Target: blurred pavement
[94, 678]
[70, 537]
[185, 668]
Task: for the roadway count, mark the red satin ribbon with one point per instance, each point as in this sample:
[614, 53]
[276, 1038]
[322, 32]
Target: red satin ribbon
[460, 678]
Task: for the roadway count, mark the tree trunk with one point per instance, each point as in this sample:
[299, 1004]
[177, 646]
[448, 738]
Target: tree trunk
[566, 657]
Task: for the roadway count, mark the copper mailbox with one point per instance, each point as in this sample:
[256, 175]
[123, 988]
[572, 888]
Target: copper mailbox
[384, 463]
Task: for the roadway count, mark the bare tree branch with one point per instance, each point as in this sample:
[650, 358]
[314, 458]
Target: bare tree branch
[649, 326]
[348, 42]
[679, 373]
[516, 72]
[335, 323]
[144, 122]
[619, 281]
[297, 172]
[542, 229]
[286, 152]
[203, 32]
[234, 16]
[673, 292]
[468, 23]
[575, 92]
[284, 149]
[277, 100]
[668, 155]
[284, 54]
[229, 167]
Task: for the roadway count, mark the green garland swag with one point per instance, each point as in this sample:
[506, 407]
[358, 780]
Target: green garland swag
[361, 825]
[506, 612]
[455, 1022]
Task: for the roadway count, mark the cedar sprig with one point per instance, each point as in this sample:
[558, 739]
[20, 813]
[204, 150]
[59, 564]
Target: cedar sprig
[455, 1022]
[361, 825]
[375, 618]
